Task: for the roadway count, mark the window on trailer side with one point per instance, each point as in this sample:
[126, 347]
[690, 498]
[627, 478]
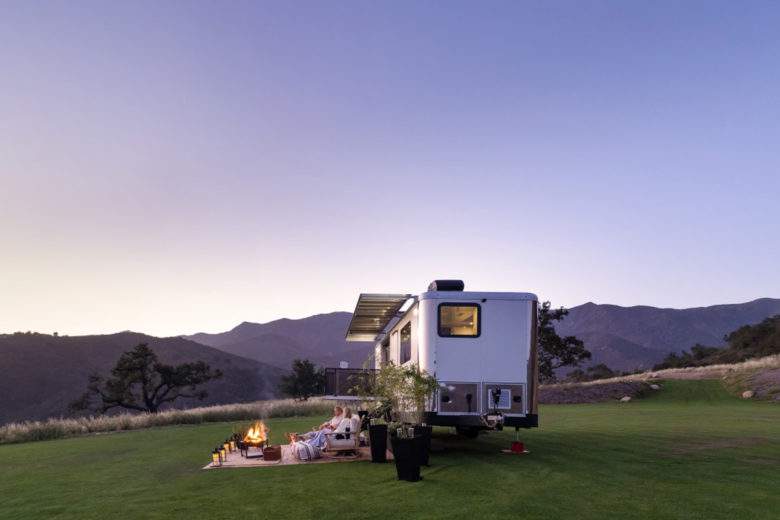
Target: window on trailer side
[459, 320]
[406, 343]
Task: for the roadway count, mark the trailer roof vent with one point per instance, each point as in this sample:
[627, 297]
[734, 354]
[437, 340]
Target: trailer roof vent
[446, 285]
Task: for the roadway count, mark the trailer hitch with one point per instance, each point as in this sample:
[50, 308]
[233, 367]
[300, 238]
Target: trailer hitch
[495, 419]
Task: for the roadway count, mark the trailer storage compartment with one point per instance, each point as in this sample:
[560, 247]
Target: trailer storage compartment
[458, 398]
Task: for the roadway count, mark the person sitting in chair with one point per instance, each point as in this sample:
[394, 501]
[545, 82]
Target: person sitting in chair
[318, 437]
[338, 415]
[326, 427]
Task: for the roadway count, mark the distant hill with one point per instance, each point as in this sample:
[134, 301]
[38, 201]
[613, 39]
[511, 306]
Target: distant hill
[641, 336]
[42, 374]
[319, 338]
[622, 337]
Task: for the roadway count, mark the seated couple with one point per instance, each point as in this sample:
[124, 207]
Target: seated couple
[342, 419]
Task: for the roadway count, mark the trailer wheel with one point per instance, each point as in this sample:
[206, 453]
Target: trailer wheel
[470, 432]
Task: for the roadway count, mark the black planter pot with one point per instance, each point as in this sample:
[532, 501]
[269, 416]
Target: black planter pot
[364, 422]
[406, 458]
[424, 446]
[377, 435]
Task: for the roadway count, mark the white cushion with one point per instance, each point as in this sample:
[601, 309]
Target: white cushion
[334, 443]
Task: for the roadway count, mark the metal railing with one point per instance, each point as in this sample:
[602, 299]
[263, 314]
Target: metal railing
[352, 382]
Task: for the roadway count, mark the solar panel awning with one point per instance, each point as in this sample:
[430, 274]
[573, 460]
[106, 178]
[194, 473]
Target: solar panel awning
[372, 314]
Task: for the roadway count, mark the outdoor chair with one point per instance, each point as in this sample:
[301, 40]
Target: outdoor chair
[342, 441]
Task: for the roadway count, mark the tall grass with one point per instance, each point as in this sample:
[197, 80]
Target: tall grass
[28, 431]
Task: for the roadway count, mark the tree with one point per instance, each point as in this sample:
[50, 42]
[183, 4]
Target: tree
[698, 356]
[305, 381]
[556, 351]
[600, 371]
[140, 382]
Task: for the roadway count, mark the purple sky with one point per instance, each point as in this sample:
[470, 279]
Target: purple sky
[171, 167]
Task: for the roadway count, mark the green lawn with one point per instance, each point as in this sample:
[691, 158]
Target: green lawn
[690, 451]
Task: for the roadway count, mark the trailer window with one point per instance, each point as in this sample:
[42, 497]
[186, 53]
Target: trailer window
[460, 320]
[406, 343]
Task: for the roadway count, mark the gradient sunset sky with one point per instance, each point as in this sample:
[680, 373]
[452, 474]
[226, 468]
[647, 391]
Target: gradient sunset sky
[173, 167]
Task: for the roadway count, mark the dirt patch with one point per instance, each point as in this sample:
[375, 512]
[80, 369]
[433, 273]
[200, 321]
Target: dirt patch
[574, 393]
[727, 443]
[766, 384]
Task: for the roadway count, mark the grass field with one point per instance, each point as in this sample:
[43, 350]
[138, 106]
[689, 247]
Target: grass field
[689, 451]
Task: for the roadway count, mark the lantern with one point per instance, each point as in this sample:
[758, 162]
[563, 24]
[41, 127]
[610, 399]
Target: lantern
[226, 445]
[223, 453]
[216, 458]
[232, 445]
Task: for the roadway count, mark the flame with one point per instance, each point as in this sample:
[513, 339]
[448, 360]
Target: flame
[257, 433]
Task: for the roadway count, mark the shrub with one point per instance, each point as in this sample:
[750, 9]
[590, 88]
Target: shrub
[699, 355]
[600, 371]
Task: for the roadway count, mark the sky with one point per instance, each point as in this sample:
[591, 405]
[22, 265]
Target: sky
[174, 167]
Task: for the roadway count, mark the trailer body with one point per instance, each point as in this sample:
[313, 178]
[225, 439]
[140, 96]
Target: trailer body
[480, 346]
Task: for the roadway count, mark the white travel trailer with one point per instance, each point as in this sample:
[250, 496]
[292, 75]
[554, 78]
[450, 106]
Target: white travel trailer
[481, 347]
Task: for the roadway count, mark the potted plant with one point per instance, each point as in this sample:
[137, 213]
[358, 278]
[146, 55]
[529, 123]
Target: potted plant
[387, 389]
[381, 389]
[401, 394]
[406, 390]
[377, 438]
[406, 449]
[377, 431]
[420, 387]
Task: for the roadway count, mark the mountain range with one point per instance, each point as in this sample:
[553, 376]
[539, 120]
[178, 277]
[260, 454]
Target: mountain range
[43, 373]
[319, 338]
[626, 338]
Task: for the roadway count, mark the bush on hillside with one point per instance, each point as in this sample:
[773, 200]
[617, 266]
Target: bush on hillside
[698, 356]
[600, 371]
[758, 340]
[747, 342]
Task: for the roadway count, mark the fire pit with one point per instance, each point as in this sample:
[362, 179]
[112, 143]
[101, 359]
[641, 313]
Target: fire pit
[256, 437]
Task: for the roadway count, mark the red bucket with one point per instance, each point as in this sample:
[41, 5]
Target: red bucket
[518, 447]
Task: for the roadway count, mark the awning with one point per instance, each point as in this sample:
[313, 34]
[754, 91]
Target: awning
[372, 314]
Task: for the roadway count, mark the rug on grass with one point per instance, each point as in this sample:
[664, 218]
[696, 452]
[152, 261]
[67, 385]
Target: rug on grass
[235, 460]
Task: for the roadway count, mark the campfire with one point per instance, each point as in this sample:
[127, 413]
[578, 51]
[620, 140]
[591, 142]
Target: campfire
[253, 444]
[256, 435]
